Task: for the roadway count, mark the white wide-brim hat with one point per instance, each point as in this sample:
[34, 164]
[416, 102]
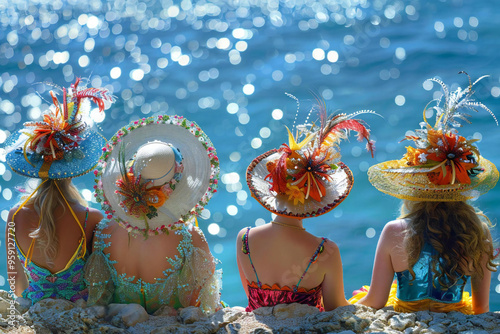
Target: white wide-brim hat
[192, 192]
[337, 189]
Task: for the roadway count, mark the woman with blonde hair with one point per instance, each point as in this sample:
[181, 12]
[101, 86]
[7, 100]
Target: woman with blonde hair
[439, 241]
[53, 227]
[281, 262]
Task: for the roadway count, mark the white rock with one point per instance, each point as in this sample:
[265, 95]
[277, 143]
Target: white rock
[263, 311]
[377, 325]
[227, 315]
[480, 322]
[96, 311]
[24, 304]
[166, 311]
[51, 306]
[191, 314]
[5, 304]
[435, 329]
[114, 309]
[295, 310]
[423, 316]
[402, 321]
[133, 314]
[81, 303]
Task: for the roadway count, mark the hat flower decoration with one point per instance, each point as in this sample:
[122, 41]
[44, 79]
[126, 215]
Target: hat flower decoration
[443, 166]
[141, 199]
[305, 177]
[63, 144]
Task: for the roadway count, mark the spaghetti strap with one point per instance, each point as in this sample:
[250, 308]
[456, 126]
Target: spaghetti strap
[246, 250]
[84, 237]
[313, 259]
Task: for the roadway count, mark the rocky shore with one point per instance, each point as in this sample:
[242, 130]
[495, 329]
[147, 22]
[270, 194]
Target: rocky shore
[62, 316]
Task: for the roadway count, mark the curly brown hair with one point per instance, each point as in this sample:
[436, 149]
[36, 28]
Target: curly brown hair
[457, 231]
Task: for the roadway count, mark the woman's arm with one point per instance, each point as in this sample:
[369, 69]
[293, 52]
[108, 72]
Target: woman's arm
[481, 286]
[383, 271]
[239, 254]
[200, 242]
[15, 268]
[95, 216]
[333, 283]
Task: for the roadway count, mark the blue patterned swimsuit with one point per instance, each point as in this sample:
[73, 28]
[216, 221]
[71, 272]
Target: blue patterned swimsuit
[65, 284]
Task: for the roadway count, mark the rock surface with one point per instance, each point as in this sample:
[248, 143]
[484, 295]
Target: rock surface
[61, 316]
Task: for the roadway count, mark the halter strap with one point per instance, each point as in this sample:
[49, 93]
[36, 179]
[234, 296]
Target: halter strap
[31, 248]
[84, 237]
[313, 259]
[32, 244]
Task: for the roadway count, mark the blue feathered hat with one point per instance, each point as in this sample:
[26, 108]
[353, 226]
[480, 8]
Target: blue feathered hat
[63, 144]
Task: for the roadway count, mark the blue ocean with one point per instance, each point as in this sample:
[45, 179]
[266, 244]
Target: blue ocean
[228, 65]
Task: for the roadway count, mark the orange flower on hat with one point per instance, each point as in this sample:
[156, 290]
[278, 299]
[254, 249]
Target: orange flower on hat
[312, 172]
[155, 197]
[447, 159]
[412, 156]
[295, 193]
[453, 154]
[135, 196]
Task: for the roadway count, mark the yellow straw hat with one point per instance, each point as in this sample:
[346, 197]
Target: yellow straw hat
[443, 166]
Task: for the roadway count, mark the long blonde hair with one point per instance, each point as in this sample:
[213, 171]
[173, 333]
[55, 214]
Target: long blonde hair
[45, 202]
[456, 230]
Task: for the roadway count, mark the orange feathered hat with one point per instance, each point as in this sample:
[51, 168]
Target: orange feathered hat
[306, 178]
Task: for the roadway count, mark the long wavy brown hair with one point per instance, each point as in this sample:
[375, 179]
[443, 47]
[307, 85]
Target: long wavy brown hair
[47, 202]
[456, 230]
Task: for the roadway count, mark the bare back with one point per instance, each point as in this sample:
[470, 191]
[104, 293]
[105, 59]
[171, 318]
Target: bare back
[281, 255]
[66, 230]
[145, 258]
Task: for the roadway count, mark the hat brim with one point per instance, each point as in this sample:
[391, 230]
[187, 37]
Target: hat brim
[336, 190]
[192, 192]
[91, 147]
[417, 187]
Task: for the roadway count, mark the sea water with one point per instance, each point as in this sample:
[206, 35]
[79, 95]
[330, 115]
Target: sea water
[228, 64]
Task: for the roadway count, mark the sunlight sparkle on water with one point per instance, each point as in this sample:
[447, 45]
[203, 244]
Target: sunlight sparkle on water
[213, 228]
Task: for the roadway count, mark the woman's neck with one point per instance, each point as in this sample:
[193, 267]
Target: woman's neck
[290, 221]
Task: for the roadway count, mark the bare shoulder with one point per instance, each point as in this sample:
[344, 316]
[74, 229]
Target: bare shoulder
[331, 247]
[25, 214]
[241, 233]
[331, 252]
[393, 234]
[11, 213]
[198, 238]
[395, 227]
[95, 215]
[109, 227]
